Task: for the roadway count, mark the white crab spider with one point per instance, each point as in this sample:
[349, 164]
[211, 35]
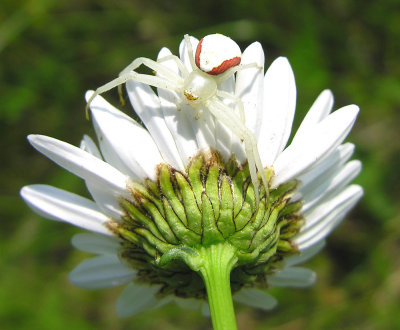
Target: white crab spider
[217, 58]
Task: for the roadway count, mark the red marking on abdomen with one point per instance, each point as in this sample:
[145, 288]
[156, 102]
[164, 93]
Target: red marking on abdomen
[197, 55]
[225, 65]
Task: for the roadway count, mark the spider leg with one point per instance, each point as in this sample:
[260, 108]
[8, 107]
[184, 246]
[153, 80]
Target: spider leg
[154, 65]
[139, 77]
[164, 71]
[219, 111]
[225, 115]
[190, 52]
[178, 62]
[238, 102]
[224, 76]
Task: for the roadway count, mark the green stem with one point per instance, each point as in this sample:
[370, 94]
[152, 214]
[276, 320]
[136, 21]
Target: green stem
[217, 263]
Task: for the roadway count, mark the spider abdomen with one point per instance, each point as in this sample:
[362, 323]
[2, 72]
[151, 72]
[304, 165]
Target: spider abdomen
[217, 53]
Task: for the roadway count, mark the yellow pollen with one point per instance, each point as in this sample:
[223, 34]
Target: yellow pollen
[190, 97]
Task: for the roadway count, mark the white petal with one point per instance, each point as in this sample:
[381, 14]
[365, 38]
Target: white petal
[227, 143]
[108, 202]
[330, 183]
[88, 145]
[293, 277]
[255, 298]
[279, 106]
[57, 204]
[97, 244]
[182, 135]
[137, 298]
[305, 254]
[337, 158]
[147, 106]
[101, 272]
[319, 225]
[250, 87]
[315, 146]
[318, 111]
[80, 163]
[124, 143]
[329, 207]
[203, 126]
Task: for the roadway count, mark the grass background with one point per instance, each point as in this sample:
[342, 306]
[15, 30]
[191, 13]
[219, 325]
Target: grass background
[52, 51]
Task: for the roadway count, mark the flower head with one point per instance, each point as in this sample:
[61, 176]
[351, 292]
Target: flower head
[164, 192]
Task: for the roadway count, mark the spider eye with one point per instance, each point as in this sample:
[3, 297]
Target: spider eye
[217, 53]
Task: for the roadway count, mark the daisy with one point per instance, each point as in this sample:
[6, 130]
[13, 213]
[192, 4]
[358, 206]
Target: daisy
[176, 213]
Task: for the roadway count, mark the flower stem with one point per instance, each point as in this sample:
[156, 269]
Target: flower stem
[217, 263]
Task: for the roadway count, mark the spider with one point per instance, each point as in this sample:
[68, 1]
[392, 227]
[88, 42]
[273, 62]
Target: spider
[217, 58]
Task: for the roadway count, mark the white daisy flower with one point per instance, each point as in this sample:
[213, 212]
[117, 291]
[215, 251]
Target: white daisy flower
[164, 192]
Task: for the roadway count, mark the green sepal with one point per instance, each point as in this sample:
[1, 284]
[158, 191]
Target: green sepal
[137, 216]
[195, 176]
[268, 228]
[268, 253]
[246, 212]
[137, 189]
[282, 190]
[189, 201]
[286, 246]
[188, 255]
[125, 233]
[153, 188]
[168, 191]
[232, 167]
[183, 233]
[211, 234]
[212, 188]
[294, 224]
[252, 256]
[155, 243]
[292, 208]
[244, 237]
[225, 221]
[158, 217]
[238, 185]
[149, 192]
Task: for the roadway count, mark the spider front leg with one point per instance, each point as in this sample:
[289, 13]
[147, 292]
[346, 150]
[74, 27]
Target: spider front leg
[238, 101]
[182, 68]
[231, 71]
[189, 49]
[143, 78]
[164, 71]
[224, 114]
[171, 82]
[154, 65]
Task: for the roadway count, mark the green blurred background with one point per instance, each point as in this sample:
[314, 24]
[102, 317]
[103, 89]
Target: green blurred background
[52, 51]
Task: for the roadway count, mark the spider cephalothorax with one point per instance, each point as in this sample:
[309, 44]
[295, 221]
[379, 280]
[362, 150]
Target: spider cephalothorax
[216, 59]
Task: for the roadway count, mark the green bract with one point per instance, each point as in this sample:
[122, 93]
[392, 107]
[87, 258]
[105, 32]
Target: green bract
[171, 220]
